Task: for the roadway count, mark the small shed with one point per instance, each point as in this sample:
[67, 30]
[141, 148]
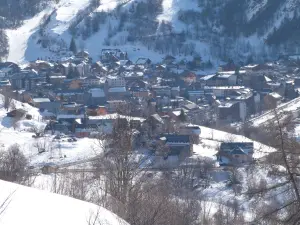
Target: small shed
[49, 168]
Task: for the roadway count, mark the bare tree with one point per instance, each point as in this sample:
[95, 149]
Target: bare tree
[281, 203]
[6, 98]
[38, 130]
[43, 145]
[13, 164]
[121, 165]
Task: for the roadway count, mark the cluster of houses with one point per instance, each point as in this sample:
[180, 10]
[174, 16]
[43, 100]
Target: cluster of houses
[81, 96]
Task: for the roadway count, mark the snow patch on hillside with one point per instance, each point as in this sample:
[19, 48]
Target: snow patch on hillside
[107, 5]
[254, 7]
[171, 9]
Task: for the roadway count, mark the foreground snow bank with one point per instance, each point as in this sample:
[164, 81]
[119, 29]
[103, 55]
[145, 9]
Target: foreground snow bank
[35, 207]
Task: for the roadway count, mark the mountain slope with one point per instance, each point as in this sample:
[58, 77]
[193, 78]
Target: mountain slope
[35, 207]
[216, 30]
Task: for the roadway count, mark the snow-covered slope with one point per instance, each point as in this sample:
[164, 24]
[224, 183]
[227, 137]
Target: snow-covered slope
[18, 39]
[211, 139]
[34, 207]
[202, 25]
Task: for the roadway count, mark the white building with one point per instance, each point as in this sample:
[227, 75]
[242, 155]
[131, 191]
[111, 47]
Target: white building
[115, 81]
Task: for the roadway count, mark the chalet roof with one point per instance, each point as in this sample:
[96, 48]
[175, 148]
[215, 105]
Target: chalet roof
[143, 61]
[237, 147]
[93, 77]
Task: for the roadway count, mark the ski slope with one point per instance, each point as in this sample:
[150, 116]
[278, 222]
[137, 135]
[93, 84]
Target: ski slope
[18, 38]
[34, 207]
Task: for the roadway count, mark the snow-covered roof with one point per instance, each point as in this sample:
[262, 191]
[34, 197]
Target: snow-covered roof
[176, 113]
[267, 79]
[39, 100]
[275, 95]
[97, 92]
[226, 73]
[115, 116]
[225, 76]
[117, 89]
[70, 116]
[225, 87]
[226, 105]
[56, 77]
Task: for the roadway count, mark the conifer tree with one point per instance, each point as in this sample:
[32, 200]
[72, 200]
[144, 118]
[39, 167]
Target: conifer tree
[73, 47]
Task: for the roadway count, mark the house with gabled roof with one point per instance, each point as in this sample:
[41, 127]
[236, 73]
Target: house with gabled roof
[177, 145]
[235, 153]
[169, 59]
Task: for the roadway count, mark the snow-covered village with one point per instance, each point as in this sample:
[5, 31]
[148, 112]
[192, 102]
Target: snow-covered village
[133, 113]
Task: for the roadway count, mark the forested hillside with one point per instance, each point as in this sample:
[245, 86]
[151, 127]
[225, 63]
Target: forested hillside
[216, 30]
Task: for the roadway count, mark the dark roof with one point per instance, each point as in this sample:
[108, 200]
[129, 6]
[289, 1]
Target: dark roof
[93, 77]
[143, 61]
[191, 106]
[177, 138]
[169, 57]
[157, 118]
[237, 147]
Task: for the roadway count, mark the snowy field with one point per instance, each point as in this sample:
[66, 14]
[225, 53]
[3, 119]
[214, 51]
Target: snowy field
[35, 207]
[59, 152]
[211, 140]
